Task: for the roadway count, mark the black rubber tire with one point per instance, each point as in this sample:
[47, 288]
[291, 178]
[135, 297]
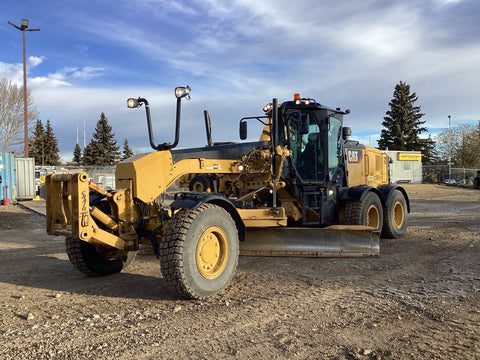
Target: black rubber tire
[84, 258]
[395, 216]
[200, 183]
[365, 211]
[179, 251]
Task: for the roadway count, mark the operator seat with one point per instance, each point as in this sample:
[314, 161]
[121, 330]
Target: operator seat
[308, 159]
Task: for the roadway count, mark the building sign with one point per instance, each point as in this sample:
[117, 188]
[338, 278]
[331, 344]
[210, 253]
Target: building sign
[409, 157]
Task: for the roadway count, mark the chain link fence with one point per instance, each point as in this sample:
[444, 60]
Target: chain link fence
[454, 175]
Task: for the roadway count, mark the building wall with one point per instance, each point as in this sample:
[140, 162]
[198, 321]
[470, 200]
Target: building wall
[405, 166]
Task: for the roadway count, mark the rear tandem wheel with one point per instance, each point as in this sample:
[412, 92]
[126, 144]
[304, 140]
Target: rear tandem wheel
[395, 216]
[199, 251]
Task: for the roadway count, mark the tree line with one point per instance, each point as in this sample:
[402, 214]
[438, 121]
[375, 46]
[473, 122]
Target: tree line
[102, 149]
[402, 124]
[43, 144]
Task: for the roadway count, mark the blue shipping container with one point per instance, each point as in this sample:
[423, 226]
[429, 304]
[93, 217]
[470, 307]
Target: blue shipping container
[8, 173]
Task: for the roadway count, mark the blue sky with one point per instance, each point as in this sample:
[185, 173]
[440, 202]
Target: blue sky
[91, 55]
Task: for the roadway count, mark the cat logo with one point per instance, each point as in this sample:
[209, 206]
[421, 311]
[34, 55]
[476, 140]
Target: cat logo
[354, 156]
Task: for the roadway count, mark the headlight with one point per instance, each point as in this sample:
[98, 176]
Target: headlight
[181, 92]
[132, 103]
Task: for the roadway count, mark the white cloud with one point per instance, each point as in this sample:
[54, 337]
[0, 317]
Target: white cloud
[65, 76]
[34, 61]
[240, 54]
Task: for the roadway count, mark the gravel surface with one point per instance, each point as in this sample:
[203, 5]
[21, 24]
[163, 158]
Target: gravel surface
[419, 300]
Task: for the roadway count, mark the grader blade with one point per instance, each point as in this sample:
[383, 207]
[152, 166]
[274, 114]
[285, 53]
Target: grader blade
[331, 241]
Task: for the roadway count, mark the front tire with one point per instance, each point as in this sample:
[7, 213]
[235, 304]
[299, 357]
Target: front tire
[367, 211]
[395, 216]
[86, 259]
[199, 251]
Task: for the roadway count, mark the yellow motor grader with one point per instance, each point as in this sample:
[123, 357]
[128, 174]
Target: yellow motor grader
[302, 189]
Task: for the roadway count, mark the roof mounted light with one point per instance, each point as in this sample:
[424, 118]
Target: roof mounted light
[302, 101]
[181, 92]
[267, 107]
[133, 103]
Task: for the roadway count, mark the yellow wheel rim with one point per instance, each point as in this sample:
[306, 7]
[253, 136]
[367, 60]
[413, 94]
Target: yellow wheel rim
[198, 186]
[373, 217]
[398, 215]
[212, 252]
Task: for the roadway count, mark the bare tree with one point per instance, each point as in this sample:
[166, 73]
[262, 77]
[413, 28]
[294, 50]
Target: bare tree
[11, 113]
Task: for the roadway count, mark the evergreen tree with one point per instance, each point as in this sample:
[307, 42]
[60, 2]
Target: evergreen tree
[36, 149]
[127, 151]
[90, 154]
[50, 146]
[102, 149]
[403, 124]
[77, 154]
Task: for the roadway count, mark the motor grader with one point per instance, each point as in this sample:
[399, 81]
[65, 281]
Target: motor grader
[303, 189]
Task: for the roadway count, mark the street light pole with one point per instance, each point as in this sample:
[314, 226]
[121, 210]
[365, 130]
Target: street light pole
[449, 149]
[23, 28]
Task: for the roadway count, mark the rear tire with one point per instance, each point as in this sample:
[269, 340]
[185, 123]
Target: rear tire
[367, 211]
[85, 258]
[200, 183]
[395, 216]
[199, 251]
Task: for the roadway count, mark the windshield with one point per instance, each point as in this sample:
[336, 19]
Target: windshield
[314, 138]
[306, 143]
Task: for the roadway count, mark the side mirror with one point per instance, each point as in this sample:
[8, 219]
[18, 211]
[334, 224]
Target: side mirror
[304, 123]
[346, 133]
[243, 130]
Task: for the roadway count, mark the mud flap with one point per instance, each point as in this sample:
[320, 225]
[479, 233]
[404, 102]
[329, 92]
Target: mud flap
[331, 241]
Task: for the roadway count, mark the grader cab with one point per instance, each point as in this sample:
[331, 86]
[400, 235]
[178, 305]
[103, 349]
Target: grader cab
[302, 189]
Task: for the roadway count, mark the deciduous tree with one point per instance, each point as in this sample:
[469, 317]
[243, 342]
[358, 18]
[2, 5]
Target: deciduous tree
[11, 114]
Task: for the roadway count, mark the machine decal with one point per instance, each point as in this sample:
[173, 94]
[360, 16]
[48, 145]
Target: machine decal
[354, 156]
[84, 210]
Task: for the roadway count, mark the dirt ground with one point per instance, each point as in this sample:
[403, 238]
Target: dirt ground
[419, 300]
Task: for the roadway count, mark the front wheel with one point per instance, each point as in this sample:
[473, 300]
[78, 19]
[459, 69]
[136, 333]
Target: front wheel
[199, 251]
[366, 211]
[93, 261]
[395, 216]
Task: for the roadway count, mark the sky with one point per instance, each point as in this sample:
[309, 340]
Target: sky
[90, 56]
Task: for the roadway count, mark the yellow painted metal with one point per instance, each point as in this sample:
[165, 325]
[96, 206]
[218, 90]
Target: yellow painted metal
[373, 217]
[153, 173]
[212, 252]
[68, 212]
[263, 217]
[371, 169]
[104, 218]
[398, 214]
[99, 189]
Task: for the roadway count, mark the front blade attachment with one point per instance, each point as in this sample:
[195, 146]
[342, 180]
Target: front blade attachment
[331, 241]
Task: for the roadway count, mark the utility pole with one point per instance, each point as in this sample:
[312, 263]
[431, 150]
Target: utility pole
[23, 28]
[449, 149]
